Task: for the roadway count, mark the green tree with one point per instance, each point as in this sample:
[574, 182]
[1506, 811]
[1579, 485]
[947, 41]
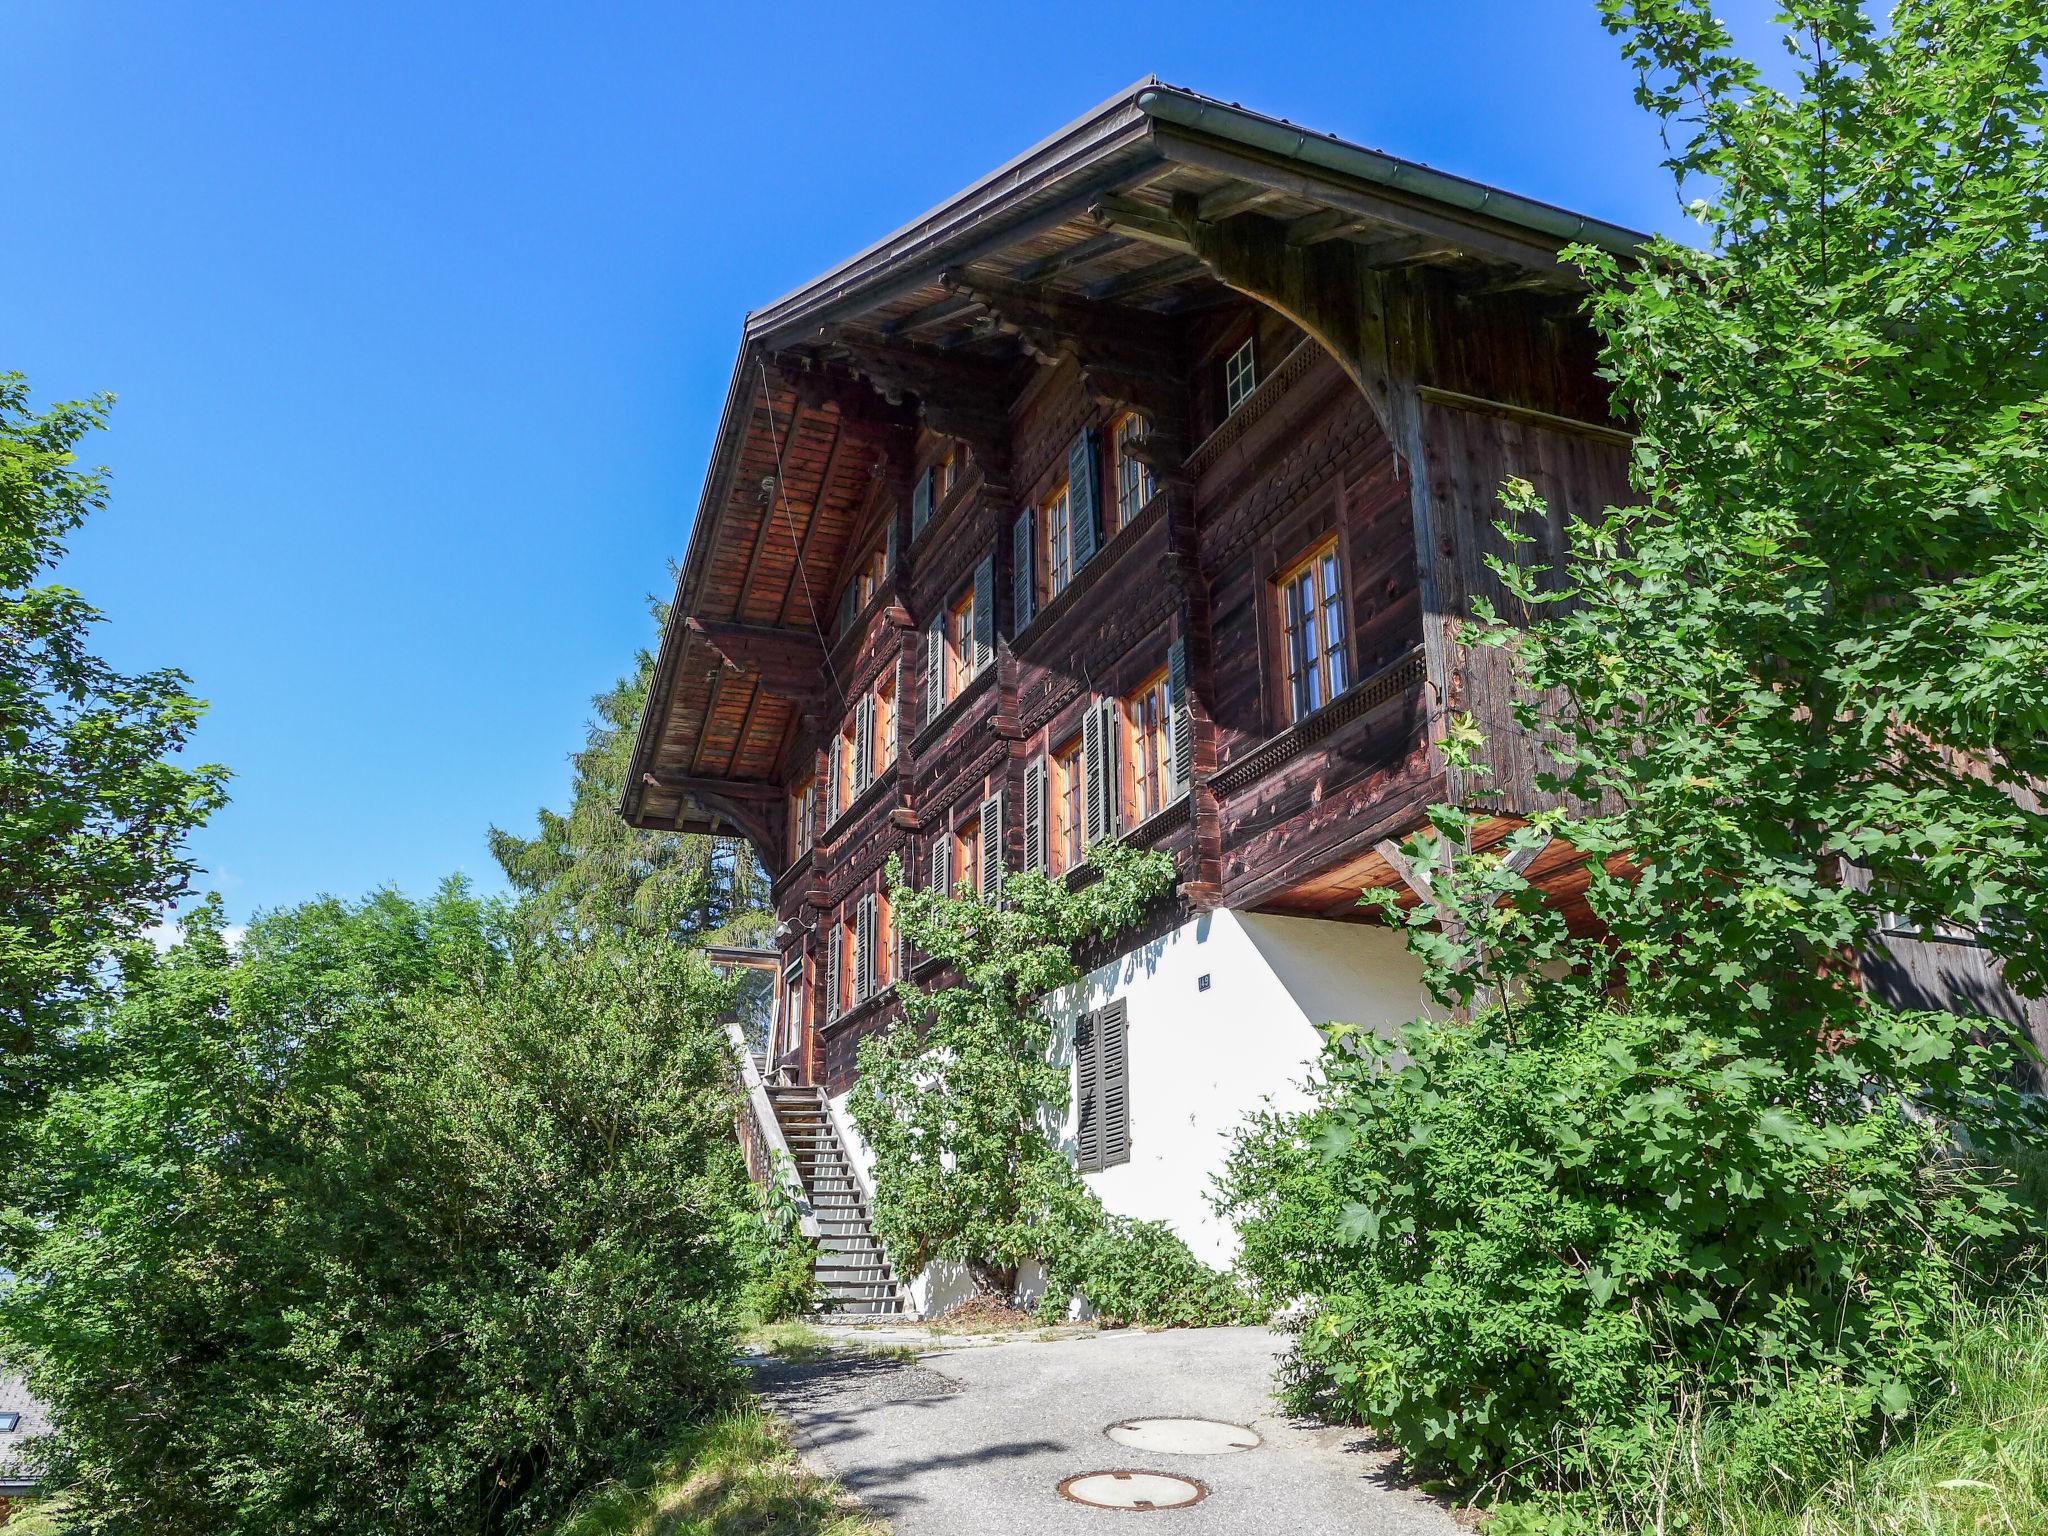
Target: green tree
[588, 873]
[399, 1217]
[963, 1101]
[1805, 691]
[93, 812]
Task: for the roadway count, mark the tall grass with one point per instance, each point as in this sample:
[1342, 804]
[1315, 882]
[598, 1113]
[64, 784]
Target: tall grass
[732, 1476]
[1974, 1464]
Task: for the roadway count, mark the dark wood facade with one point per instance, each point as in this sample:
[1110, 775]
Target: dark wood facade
[892, 458]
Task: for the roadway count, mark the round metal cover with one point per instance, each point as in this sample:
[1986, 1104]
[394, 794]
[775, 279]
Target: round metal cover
[1133, 1490]
[1184, 1437]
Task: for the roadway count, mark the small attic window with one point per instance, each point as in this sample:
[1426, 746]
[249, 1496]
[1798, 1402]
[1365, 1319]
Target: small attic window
[1240, 377]
[9, 1423]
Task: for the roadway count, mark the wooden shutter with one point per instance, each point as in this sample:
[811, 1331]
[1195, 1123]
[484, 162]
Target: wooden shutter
[846, 606]
[1182, 715]
[991, 846]
[834, 941]
[863, 742]
[896, 712]
[934, 668]
[1023, 587]
[1087, 1108]
[1100, 747]
[831, 781]
[984, 612]
[1113, 1084]
[942, 862]
[864, 949]
[889, 548]
[921, 504]
[1091, 766]
[1084, 497]
[1034, 815]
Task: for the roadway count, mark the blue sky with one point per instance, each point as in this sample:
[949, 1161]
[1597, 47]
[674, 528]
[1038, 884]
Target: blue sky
[421, 315]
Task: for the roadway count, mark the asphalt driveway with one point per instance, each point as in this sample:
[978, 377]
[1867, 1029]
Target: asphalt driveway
[973, 1441]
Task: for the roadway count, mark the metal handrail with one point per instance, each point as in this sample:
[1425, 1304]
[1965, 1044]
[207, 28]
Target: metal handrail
[760, 1109]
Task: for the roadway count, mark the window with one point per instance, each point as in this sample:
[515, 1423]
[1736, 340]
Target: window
[1316, 632]
[789, 1027]
[1240, 376]
[967, 855]
[1102, 1093]
[885, 721]
[843, 750]
[946, 473]
[960, 644]
[1056, 518]
[1134, 486]
[1063, 847]
[1147, 750]
[803, 817]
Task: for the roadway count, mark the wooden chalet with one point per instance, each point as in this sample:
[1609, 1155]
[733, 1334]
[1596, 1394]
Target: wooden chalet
[1138, 490]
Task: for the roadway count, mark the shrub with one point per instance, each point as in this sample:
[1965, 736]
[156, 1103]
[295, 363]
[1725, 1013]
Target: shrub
[1552, 1239]
[393, 1221]
[1136, 1274]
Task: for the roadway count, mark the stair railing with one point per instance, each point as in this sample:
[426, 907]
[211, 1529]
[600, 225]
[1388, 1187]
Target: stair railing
[761, 1139]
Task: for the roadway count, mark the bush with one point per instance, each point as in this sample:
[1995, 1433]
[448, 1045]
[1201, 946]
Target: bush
[1136, 1274]
[781, 1283]
[394, 1221]
[1551, 1242]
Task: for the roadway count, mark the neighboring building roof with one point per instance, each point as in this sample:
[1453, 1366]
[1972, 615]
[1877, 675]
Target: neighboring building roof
[1084, 217]
[32, 1420]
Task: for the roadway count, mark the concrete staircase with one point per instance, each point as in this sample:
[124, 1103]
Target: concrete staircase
[851, 1269]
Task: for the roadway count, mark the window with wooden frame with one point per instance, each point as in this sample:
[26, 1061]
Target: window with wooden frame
[947, 471]
[966, 863]
[885, 721]
[1240, 375]
[803, 817]
[1147, 749]
[1131, 476]
[843, 791]
[1315, 630]
[959, 643]
[789, 1024]
[1056, 541]
[1102, 1088]
[1064, 790]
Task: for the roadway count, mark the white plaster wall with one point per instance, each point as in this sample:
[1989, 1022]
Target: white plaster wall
[1202, 1060]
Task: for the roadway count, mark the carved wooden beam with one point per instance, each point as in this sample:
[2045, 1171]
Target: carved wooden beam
[963, 397]
[697, 787]
[789, 663]
[1052, 325]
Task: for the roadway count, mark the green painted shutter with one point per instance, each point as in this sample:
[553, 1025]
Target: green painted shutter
[863, 742]
[1183, 719]
[846, 605]
[1113, 1084]
[1034, 815]
[942, 862]
[1087, 1095]
[934, 668]
[831, 781]
[984, 612]
[921, 503]
[1023, 586]
[991, 846]
[833, 944]
[1084, 496]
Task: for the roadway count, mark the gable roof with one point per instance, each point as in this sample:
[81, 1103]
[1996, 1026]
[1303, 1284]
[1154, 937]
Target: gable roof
[796, 453]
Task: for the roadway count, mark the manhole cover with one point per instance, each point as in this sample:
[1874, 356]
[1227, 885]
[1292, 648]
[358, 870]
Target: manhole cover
[1134, 1490]
[1184, 1437]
